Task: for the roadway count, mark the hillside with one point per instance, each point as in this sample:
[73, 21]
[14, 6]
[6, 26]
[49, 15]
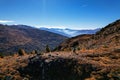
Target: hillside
[107, 37]
[68, 44]
[97, 65]
[14, 37]
[97, 58]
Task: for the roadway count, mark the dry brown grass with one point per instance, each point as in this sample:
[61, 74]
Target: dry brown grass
[103, 60]
[10, 64]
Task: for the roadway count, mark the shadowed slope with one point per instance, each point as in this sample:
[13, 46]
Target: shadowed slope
[20, 36]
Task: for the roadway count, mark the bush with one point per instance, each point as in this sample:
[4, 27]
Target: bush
[117, 50]
[1, 55]
[114, 74]
[105, 46]
[47, 48]
[21, 52]
[8, 78]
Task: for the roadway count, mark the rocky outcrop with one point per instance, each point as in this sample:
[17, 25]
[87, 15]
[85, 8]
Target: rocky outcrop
[57, 69]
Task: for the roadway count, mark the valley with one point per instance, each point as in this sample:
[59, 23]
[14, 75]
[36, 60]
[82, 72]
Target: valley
[83, 57]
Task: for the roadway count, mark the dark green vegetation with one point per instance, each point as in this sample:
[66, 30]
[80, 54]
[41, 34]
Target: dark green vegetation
[47, 48]
[1, 55]
[15, 37]
[21, 52]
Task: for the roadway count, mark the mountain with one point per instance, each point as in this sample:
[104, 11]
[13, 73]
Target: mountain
[14, 37]
[70, 32]
[98, 58]
[107, 37]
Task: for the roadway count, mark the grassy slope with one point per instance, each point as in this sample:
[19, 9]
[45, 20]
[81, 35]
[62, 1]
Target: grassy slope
[99, 59]
[99, 64]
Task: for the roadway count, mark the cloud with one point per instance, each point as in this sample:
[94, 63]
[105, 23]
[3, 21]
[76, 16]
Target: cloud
[6, 21]
[50, 26]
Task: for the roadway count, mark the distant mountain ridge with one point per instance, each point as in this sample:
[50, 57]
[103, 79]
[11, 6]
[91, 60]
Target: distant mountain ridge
[70, 32]
[107, 37]
[14, 37]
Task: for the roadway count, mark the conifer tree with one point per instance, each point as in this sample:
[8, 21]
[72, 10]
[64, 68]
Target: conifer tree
[21, 52]
[1, 55]
[47, 48]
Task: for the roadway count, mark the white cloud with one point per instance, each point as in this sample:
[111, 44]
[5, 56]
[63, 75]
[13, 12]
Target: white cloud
[6, 21]
[75, 27]
[50, 26]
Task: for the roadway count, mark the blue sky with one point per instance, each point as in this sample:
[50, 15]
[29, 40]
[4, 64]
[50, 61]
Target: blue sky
[75, 14]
